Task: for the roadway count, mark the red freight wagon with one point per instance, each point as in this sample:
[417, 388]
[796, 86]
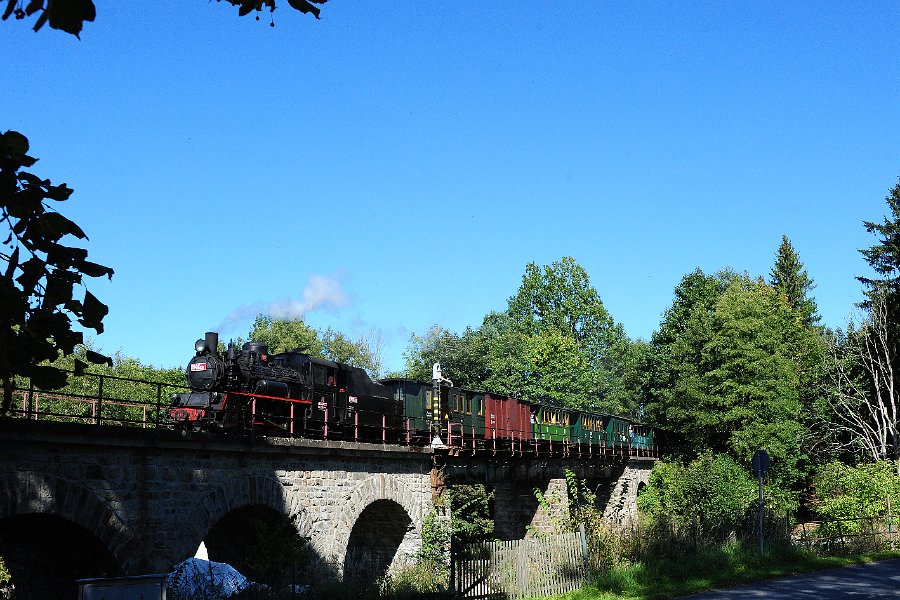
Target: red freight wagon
[506, 418]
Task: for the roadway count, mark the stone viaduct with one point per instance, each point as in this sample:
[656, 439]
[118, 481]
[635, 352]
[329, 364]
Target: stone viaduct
[82, 501]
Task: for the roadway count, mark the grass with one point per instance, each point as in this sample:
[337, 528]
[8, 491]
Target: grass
[723, 567]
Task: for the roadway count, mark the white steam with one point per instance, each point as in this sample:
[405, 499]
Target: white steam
[321, 292]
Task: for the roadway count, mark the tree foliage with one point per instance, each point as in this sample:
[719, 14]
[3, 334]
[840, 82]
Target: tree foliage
[70, 15]
[471, 509]
[282, 336]
[790, 278]
[847, 492]
[712, 491]
[556, 341]
[726, 372]
[40, 275]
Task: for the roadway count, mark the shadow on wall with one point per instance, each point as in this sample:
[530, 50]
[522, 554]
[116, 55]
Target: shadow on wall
[263, 545]
[382, 540]
[45, 554]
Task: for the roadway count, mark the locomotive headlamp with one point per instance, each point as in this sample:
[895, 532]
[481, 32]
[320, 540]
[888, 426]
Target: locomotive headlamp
[200, 346]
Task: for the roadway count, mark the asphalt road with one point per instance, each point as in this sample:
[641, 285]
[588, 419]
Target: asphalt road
[871, 580]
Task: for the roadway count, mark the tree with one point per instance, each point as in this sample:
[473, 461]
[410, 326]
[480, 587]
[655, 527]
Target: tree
[884, 257]
[753, 378]
[557, 310]
[789, 278]
[724, 372]
[555, 341]
[364, 352]
[463, 358]
[863, 363]
[40, 276]
[673, 384]
[282, 336]
[865, 390]
[70, 15]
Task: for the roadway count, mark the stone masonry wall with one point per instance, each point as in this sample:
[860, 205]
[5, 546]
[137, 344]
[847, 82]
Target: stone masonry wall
[152, 500]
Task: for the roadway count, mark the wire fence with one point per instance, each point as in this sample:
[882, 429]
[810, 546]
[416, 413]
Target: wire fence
[847, 536]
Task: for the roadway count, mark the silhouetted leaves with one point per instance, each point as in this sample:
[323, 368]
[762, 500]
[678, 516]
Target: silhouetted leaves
[70, 15]
[37, 304]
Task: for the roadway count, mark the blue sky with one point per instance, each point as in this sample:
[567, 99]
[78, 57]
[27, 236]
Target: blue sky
[396, 165]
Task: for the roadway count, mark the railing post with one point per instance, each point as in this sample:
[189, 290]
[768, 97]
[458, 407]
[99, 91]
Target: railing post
[30, 399]
[356, 426]
[253, 415]
[97, 417]
[291, 428]
[158, 405]
[408, 435]
[325, 428]
[383, 428]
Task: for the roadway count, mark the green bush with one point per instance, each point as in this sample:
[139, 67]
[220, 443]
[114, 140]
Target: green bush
[713, 491]
[844, 492]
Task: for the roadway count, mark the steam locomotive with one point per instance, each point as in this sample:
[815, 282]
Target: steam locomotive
[294, 394]
[290, 393]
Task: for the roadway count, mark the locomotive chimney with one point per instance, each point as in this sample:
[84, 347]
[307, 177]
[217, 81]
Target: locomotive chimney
[212, 341]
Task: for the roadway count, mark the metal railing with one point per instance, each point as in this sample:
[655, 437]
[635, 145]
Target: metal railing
[95, 398]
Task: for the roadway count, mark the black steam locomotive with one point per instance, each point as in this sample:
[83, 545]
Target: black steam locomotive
[290, 393]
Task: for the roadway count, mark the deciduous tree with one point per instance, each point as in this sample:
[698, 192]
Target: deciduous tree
[865, 389]
[40, 275]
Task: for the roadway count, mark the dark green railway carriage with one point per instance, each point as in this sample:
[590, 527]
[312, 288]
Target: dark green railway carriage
[466, 407]
[417, 400]
[616, 431]
[588, 428]
[551, 423]
[454, 404]
[643, 436]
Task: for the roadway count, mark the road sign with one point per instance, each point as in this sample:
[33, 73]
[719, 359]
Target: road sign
[761, 463]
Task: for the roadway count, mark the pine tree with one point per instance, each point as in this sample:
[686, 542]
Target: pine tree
[884, 257]
[789, 278]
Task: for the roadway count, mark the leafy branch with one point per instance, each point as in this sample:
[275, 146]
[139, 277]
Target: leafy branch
[39, 276]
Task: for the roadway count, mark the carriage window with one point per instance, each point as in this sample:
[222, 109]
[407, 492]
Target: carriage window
[481, 406]
[566, 419]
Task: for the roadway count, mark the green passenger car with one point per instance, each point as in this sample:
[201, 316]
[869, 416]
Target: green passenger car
[616, 431]
[643, 437]
[550, 423]
[416, 399]
[588, 428]
[466, 407]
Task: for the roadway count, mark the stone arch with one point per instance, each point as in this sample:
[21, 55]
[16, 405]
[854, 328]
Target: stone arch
[377, 487]
[235, 493]
[622, 504]
[383, 538]
[29, 492]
